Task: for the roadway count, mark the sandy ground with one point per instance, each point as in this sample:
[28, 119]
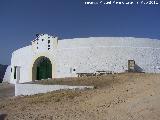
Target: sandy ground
[116, 97]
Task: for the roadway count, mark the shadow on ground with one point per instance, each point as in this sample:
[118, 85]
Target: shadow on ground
[3, 116]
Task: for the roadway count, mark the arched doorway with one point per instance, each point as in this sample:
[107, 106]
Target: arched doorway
[42, 69]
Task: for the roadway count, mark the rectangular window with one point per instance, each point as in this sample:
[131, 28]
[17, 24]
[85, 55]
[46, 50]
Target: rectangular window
[15, 70]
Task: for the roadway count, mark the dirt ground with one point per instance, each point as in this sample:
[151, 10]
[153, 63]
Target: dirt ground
[6, 90]
[115, 97]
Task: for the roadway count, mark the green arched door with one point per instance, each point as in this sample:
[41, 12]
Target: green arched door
[44, 69]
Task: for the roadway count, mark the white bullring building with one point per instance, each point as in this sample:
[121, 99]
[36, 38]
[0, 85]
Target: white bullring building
[49, 57]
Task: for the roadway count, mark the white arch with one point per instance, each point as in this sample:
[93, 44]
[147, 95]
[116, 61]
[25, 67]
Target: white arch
[45, 54]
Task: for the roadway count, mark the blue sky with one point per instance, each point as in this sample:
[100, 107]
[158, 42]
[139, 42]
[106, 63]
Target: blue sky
[20, 20]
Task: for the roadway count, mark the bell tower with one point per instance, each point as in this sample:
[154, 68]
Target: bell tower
[44, 42]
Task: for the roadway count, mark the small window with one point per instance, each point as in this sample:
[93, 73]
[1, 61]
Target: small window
[37, 42]
[42, 39]
[11, 69]
[48, 48]
[48, 45]
[48, 37]
[74, 69]
[49, 41]
[37, 47]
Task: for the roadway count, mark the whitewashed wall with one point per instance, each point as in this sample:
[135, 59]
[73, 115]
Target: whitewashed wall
[21, 58]
[7, 74]
[25, 57]
[108, 59]
[31, 89]
[106, 53]
[88, 55]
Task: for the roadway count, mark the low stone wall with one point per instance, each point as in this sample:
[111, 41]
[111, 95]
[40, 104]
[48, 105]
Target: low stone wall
[31, 89]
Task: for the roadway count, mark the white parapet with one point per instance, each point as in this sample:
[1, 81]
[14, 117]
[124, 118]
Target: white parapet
[31, 89]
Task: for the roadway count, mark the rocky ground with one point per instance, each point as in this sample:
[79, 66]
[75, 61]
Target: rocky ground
[116, 97]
